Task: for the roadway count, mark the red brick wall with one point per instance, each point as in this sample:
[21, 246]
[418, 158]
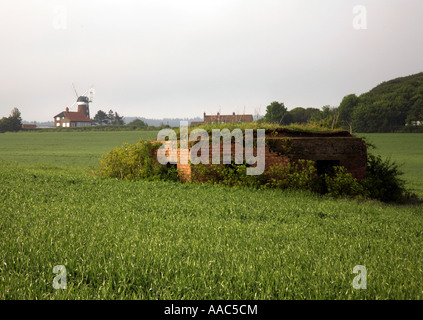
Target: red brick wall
[351, 153]
[270, 160]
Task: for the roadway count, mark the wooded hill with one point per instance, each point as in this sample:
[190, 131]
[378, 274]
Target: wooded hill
[393, 105]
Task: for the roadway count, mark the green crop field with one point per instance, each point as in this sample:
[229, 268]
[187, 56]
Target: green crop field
[65, 148]
[407, 150]
[163, 240]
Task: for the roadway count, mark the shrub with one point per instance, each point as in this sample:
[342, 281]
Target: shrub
[295, 175]
[299, 175]
[383, 182]
[342, 183]
[135, 161]
[229, 175]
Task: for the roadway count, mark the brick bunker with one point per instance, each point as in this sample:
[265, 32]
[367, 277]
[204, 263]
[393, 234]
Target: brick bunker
[327, 149]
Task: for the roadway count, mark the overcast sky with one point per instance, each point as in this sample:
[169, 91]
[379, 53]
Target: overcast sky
[180, 58]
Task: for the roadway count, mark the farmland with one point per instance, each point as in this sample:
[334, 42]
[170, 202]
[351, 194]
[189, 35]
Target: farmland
[79, 149]
[407, 150]
[163, 240]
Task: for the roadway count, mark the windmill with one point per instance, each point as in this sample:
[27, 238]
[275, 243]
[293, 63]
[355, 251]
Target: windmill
[83, 101]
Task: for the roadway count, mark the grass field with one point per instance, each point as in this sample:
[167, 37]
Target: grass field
[407, 150]
[161, 240]
[65, 148]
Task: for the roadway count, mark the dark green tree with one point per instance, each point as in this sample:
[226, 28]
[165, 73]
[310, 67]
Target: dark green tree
[118, 120]
[346, 110]
[371, 117]
[11, 123]
[415, 115]
[5, 124]
[101, 118]
[301, 115]
[275, 113]
[138, 123]
[296, 115]
[111, 116]
[311, 113]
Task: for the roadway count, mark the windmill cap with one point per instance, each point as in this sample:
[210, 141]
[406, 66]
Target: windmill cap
[83, 99]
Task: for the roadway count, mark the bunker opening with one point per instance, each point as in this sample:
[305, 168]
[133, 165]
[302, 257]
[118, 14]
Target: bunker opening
[326, 166]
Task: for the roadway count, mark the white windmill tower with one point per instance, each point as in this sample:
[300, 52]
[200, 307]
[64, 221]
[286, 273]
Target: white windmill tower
[83, 101]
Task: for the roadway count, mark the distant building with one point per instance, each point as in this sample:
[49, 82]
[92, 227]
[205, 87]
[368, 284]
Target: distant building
[67, 119]
[28, 126]
[219, 118]
[416, 123]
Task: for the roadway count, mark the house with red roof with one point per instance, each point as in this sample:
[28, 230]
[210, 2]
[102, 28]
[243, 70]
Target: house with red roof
[220, 118]
[67, 119]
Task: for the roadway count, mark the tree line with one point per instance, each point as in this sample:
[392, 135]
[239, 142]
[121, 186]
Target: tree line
[392, 106]
[277, 113]
[113, 118]
[109, 118]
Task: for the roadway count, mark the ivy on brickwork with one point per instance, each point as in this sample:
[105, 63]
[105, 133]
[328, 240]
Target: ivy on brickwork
[280, 146]
[139, 161]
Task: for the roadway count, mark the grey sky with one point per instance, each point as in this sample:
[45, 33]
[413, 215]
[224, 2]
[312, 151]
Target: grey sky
[180, 58]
